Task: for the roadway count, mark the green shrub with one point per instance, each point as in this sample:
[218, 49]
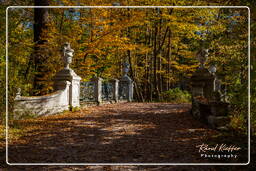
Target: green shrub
[176, 95]
[74, 109]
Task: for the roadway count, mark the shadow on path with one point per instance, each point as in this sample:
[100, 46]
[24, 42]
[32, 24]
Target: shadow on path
[117, 133]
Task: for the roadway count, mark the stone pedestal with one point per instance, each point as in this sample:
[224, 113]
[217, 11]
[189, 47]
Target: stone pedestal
[197, 89]
[202, 83]
[68, 74]
[208, 107]
[128, 83]
[97, 89]
[206, 95]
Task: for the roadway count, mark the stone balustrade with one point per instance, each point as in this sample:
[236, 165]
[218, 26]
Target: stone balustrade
[100, 91]
[43, 105]
[69, 91]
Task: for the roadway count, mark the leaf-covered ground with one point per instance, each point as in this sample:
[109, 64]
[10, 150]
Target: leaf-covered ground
[115, 133]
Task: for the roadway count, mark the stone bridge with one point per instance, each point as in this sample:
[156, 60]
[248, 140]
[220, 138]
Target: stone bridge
[124, 132]
[207, 102]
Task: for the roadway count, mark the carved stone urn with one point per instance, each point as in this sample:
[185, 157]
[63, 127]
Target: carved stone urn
[202, 57]
[68, 54]
[126, 68]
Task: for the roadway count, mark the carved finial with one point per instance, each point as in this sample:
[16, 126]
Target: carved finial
[202, 56]
[18, 94]
[213, 69]
[67, 55]
[126, 68]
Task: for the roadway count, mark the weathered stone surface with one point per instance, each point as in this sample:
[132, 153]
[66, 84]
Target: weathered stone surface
[127, 81]
[219, 108]
[69, 75]
[98, 89]
[115, 83]
[195, 109]
[67, 55]
[126, 85]
[202, 82]
[67, 92]
[206, 98]
[111, 91]
[205, 111]
[43, 105]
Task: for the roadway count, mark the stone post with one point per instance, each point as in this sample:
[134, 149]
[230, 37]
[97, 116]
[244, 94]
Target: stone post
[130, 95]
[217, 84]
[127, 81]
[97, 89]
[67, 74]
[115, 83]
[202, 82]
[206, 84]
[197, 89]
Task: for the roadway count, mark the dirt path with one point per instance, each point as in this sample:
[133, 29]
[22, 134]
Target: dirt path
[116, 133]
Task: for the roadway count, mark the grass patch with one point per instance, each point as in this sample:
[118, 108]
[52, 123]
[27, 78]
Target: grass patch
[176, 95]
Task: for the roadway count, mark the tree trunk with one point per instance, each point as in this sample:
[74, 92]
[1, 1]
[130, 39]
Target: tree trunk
[169, 53]
[132, 75]
[40, 24]
[155, 60]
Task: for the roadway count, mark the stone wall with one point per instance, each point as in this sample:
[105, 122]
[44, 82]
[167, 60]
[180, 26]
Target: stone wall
[43, 105]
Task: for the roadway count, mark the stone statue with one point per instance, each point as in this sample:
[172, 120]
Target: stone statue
[202, 56]
[67, 55]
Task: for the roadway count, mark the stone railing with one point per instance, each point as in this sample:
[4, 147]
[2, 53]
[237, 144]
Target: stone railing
[42, 105]
[69, 92]
[99, 91]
